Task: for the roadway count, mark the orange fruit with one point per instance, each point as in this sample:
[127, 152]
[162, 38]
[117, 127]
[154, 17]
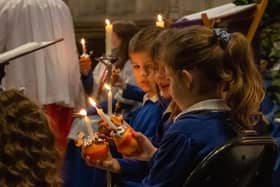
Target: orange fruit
[97, 151]
[126, 144]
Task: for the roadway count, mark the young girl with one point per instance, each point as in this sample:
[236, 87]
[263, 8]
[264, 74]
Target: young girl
[130, 176]
[168, 116]
[214, 81]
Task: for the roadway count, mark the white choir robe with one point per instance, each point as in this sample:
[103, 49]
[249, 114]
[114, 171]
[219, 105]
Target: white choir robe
[50, 75]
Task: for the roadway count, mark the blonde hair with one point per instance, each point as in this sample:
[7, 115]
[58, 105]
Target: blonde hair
[144, 39]
[228, 68]
[27, 146]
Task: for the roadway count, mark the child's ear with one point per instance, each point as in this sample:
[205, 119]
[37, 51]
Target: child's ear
[188, 79]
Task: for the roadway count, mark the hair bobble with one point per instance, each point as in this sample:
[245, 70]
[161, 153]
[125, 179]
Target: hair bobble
[222, 35]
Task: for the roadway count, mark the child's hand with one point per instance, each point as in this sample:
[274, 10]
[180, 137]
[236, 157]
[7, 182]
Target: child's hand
[85, 65]
[116, 79]
[104, 129]
[147, 148]
[110, 164]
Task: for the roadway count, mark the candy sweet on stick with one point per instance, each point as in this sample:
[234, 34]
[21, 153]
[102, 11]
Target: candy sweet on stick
[125, 142]
[123, 138]
[85, 60]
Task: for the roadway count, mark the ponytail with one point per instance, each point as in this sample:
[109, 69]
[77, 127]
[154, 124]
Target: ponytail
[225, 62]
[245, 90]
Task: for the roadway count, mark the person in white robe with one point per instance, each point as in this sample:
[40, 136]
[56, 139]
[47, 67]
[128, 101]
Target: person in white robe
[50, 76]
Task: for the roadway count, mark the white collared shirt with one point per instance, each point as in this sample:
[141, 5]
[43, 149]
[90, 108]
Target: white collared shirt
[146, 98]
[209, 104]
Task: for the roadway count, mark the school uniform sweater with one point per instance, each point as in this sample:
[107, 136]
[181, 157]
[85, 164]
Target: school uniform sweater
[269, 109]
[133, 179]
[194, 134]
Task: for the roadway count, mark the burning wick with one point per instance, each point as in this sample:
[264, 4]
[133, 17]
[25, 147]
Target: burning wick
[83, 43]
[102, 115]
[83, 112]
[160, 22]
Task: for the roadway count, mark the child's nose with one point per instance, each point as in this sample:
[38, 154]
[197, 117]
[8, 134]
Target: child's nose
[144, 72]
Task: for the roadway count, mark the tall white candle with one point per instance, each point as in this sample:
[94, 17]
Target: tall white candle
[83, 112]
[108, 35]
[110, 100]
[102, 115]
[83, 43]
[160, 22]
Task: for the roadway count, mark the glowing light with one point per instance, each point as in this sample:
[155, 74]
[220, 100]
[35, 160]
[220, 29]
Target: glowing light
[107, 87]
[92, 102]
[159, 17]
[83, 112]
[107, 21]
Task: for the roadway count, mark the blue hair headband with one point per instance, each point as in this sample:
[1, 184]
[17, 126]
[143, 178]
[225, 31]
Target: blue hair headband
[222, 35]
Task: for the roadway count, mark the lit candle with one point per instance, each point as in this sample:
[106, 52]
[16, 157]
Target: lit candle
[110, 102]
[160, 22]
[108, 30]
[102, 114]
[83, 43]
[83, 112]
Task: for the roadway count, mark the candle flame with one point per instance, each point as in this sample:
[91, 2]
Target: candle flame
[83, 41]
[159, 17]
[107, 21]
[92, 102]
[83, 112]
[107, 87]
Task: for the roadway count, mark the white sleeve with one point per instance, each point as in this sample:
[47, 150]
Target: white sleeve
[4, 26]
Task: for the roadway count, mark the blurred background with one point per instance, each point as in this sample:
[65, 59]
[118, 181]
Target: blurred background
[89, 15]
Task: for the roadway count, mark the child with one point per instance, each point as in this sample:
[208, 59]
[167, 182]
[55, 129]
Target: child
[148, 115]
[168, 116]
[214, 81]
[27, 145]
[46, 73]
[145, 118]
[122, 33]
[129, 172]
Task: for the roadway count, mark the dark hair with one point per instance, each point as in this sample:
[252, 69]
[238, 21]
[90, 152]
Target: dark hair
[229, 68]
[27, 146]
[144, 39]
[125, 30]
